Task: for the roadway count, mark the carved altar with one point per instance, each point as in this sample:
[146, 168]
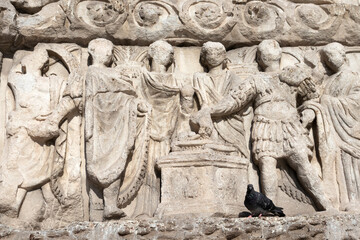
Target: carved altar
[202, 178]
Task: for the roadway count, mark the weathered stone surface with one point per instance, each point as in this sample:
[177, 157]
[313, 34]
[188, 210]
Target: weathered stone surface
[213, 123]
[150, 109]
[201, 178]
[302, 227]
[8, 30]
[180, 22]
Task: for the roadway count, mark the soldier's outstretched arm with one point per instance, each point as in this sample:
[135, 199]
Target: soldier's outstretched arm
[238, 97]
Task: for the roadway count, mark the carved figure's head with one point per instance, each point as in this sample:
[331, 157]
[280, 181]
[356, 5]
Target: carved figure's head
[36, 62]
[269, 54]
[101, 51]
[334, 56]
[161, 52]
[212, 54]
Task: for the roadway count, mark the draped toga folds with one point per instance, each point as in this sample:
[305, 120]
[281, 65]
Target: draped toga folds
[210, 91]
[110, 124]
[27, 163]
[338, 135]
[33, 159]
[161, 91]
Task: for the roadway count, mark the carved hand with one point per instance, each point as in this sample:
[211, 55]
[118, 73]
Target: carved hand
[203, 120]
[143, 107]
[308, 89]
[307, 117]
[129, 75]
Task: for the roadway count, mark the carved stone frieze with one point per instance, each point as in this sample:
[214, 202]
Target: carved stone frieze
[192, 22]
[115, 109]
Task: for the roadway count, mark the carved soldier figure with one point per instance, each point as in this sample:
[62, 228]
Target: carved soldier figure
[276, 132]
[28, 159]
[337, 117]
[211, 87]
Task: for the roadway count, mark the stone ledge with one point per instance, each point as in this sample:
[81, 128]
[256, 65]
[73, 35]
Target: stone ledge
[343, 226]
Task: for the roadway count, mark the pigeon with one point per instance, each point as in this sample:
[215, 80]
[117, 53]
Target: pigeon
[258, 204]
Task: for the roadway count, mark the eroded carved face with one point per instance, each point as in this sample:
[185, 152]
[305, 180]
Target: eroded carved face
[269, 53]
[161, 52]
[164, 57]
[212, 54]
[215, 58]
[101, 51]
[104, 56]
[334, 56]
[149, 14]
[37, 60]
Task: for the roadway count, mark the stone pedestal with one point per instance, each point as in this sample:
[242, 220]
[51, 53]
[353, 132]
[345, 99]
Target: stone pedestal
[202, 178]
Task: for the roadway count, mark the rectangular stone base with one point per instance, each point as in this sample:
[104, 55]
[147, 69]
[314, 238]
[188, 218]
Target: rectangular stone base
[199, 209]
[202, 183]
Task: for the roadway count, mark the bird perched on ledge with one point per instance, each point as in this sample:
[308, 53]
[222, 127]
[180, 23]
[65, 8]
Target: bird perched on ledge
[258, 204]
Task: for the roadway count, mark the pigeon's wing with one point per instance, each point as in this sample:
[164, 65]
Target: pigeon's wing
[265, 203]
